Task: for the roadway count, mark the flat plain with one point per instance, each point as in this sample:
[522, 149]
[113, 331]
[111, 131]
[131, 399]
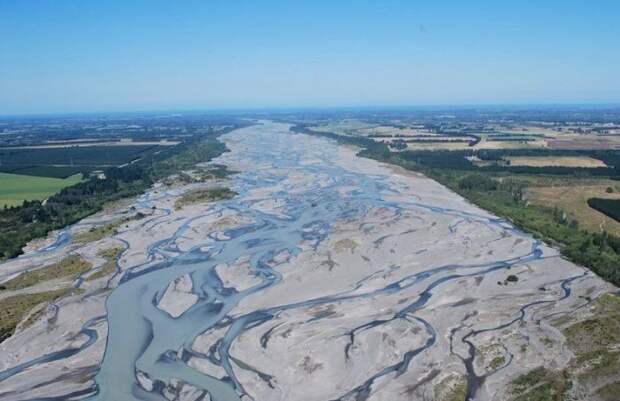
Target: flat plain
[573, 199]
[15, 188]
[558, 161]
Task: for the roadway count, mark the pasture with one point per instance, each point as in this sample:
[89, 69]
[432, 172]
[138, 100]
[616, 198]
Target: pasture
[15, 188]
[557, 161]
[573, 199]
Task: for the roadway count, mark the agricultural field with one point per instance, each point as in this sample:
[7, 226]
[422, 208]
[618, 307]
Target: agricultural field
[14, 188]
[444, 145]
[450, 144]
[497, 143]
[573, 199]
[585, 142]
[387, 131]
[509, 135]
[559, 161]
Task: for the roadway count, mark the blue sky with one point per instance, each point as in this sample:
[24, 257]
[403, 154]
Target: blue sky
[68, 56]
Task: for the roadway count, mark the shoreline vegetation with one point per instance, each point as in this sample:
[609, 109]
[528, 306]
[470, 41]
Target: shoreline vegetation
[35, 219]
[500, 190]
[203, 195]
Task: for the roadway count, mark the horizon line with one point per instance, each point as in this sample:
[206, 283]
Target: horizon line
[288, 109]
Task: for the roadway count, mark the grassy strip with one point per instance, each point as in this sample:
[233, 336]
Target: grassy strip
[497, 362]
[70, 267]
[203, 196]
[212, 172]
[200, 174]
[97, 233]
[109, 267]
[14, 309]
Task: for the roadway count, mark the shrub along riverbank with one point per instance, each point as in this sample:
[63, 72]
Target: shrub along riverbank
[500, 191]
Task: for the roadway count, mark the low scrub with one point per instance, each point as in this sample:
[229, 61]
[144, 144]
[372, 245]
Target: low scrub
[540, 385]
[14, 309]
[109, 267]
[203, 196]
[70, 267]
[97, 233]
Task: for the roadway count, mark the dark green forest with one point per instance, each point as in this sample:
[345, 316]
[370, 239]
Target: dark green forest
[65, 161]
[609, 207]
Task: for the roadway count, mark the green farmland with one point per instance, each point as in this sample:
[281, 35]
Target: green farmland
[14, 188]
